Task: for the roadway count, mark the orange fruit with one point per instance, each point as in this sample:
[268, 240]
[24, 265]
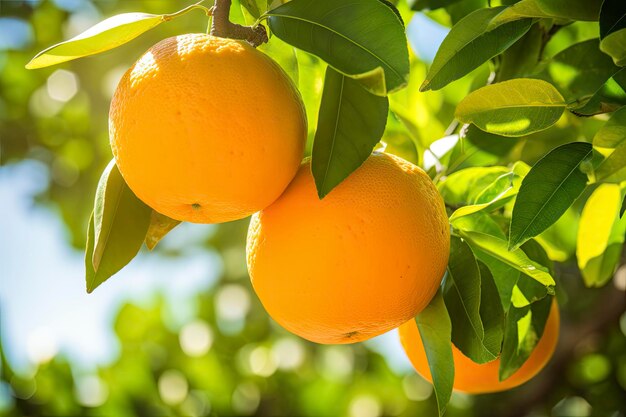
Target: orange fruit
[206, 129]
[360, 262]
[474, 378]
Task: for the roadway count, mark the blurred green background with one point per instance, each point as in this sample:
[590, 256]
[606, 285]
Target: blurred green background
[180, 331]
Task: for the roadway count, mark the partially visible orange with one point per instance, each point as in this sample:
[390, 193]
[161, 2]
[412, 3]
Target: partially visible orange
[206, 129]
[360, 262]
[474, 378]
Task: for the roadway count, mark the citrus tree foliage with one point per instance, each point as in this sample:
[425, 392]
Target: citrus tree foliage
[519, 120]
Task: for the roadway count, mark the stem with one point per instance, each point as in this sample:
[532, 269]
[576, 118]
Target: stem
[198, 5]
[224, 28]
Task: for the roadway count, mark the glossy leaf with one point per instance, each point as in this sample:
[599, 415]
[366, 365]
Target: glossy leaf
[479, 148]
[559, 240]
[600, 235]
[586, 10]
[120, 223]
[505, 277]
[614, 45]
[520, 59]
[350, 122]
[430, 4]
[469, 44]
[608, 98]
[611, 141]
[108, 34]
[512, 286]
[341, 33]
[462, 295]
[512, 108]
[578, 71]
[462, 187]
[551, 186]
[436, 332]
[496, 194]
[160, 225]
[491, 311]
[479, 222]
[612, 17]
[516, 258]
[256, 8]
[523, 329]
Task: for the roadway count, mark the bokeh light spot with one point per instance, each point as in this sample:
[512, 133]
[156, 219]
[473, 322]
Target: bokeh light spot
[365, 406]
[173, 387]
[196, 338]
[62, 85]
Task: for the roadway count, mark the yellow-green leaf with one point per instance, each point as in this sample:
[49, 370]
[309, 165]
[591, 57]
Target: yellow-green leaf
[586, 10]
[600, 235]
[108, 34]
[610, 140]
[160, 225]
[614, 45]
[435, 330]
[516, 107]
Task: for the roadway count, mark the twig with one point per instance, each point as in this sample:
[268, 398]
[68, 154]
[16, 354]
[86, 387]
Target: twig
[224, 28]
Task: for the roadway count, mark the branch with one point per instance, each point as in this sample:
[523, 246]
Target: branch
[224, 28]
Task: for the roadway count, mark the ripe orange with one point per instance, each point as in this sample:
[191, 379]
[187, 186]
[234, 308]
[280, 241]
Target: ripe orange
[360, 262]
[474, 378]
[207, 130]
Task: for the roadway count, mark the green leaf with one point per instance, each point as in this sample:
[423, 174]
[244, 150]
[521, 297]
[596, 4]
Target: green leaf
[608, 98]
[479, 222]
[551, 186]
[586, 10]
[435, 330]
[462, 295]
[342, 34]
[610, 140]
[523, 329]
[469, 44]
[520, 60]
[512, 108]
[516, 258]
[614, 45]
[462, 187]
[612, 17]
[559, 240]
[537, 253]
[505, 277]
[160, 225]
[255, 7]
[90, 273]
[418, 5]
[600, 236]
[285, 55]
[495, 195]
[491, 311]
[120, 224]
[350, 122]
[578, 71]
[108, 34]
[479, 148]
